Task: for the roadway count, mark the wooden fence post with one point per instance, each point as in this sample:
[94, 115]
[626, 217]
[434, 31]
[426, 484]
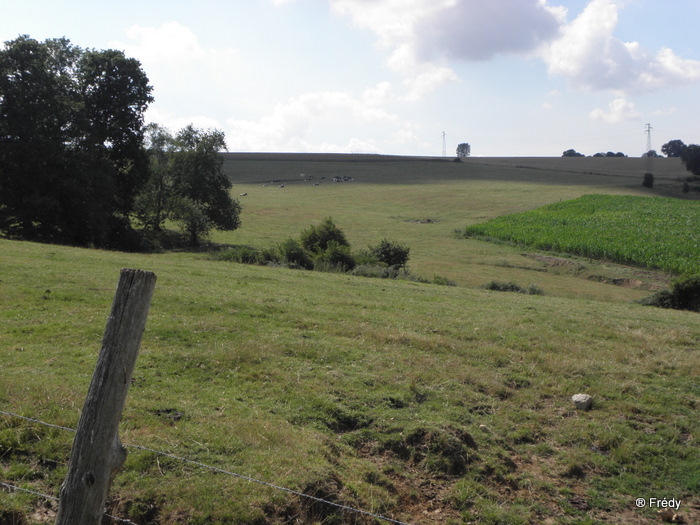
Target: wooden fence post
[97, 453]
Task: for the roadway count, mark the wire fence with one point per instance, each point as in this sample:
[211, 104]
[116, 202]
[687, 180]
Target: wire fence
[212, 468]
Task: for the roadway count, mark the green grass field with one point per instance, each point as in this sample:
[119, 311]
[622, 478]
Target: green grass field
[424, 403]
[647, 231]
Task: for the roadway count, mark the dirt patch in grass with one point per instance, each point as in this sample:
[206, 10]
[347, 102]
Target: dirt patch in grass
[625, 283]
[551, 261]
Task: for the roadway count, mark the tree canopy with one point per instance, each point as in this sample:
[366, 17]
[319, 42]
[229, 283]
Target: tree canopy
[77, 163]
[673, 148]
[691, 158]
[71, 132]
[464, 150]
[187, 183]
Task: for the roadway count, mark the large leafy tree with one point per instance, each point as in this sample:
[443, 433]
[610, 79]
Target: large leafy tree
[673, 148]
[71, 130]
[464, 149]
[691, 158]
[187, 183]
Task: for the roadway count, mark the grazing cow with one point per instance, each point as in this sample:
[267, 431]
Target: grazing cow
[243, 194]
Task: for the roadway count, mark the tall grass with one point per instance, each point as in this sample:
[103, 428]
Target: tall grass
[648, 231]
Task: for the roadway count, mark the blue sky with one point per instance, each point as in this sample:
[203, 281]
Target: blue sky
[511, 77]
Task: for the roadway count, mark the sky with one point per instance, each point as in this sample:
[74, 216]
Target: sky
[510, 77]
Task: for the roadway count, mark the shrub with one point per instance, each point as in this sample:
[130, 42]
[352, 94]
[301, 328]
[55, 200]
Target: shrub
[444, 281]
[500, 286]
[684, 294]
[534, 289]
[648, 181]
[335, 257]
[240, 254]
[367, 258]
[316, 239]
[391, 253]
[293, 253]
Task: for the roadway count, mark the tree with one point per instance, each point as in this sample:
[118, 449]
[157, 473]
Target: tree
[691, 158]
[71, 123]
[572, 153]
[187, 183]
[464, 150]
[156, 201]
[650, 154]
[673, 148]
[391, 253]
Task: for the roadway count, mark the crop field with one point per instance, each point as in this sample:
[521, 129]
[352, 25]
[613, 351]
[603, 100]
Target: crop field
[647, 231]
[422, 403]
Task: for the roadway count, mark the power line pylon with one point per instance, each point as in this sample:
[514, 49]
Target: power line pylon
[648, 163]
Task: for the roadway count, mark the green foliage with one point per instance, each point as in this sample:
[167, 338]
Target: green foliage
[335, 257]
[72, 126]
[673, 148]
[500, 286]
[650, 231]
[292, 252]
[691, 158]
[316, 238]
[244, 255]
[391, 253]
[463, 150]
[648, 181]
[684, 294]
[443, 281]
[187, 183]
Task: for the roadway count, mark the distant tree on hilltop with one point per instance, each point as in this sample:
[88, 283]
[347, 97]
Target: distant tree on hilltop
[572, 153]
[464, 150]
[691, 158]
[673, 148]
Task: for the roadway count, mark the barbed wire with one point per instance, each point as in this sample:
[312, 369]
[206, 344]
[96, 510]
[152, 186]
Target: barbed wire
[220, 470]
[54, 498]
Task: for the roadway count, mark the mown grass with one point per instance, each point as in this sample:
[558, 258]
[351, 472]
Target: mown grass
[647, 231]
[425, 403]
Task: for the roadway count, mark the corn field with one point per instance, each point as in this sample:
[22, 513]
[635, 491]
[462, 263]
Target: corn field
[654, 232]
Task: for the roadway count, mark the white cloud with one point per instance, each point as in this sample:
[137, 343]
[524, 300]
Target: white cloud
[290, 124]
[176, 65]
[422, 35]
[591, 58]
[619, 110]
[479, 30]
[663, 112]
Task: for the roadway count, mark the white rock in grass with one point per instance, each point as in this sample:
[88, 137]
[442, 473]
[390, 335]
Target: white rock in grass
[582, 401]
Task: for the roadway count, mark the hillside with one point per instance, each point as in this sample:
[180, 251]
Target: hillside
[423, 403]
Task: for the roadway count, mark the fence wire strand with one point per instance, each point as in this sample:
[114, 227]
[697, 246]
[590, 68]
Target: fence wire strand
[213, 469]
[54, 498]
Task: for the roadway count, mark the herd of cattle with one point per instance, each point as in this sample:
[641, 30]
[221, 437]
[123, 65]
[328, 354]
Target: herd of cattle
[305, 178]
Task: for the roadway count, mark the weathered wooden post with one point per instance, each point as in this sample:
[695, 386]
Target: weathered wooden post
[97, 454]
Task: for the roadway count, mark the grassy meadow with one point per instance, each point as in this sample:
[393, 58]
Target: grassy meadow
[423, 403]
